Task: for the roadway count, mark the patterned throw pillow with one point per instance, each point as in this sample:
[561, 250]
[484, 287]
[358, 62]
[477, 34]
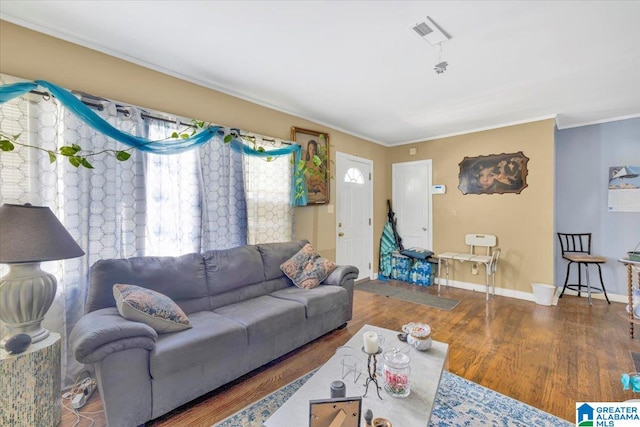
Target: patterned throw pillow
[307, 268]
[150, 307]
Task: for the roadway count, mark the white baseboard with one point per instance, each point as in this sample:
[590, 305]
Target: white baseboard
[612, 297]
[511, 293]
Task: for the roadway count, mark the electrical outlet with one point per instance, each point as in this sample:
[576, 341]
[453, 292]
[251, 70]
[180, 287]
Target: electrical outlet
[474, 268]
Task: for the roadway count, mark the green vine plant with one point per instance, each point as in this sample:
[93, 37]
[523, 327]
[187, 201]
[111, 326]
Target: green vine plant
[78, 157]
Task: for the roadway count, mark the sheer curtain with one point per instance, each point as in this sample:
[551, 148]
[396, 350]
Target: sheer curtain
[174, 181]
[98, 209]
[211, 197]
[195, 199]
[270, 216]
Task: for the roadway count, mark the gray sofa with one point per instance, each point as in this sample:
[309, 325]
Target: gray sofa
[245, 313]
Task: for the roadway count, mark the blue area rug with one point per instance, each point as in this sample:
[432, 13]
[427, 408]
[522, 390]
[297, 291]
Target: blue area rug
[459, 403]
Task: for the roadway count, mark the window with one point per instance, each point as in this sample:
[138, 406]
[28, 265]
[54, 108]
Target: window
[354, 176]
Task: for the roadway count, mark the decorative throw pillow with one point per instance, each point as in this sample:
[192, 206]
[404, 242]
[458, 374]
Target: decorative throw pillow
[307, 269]
[150, 307]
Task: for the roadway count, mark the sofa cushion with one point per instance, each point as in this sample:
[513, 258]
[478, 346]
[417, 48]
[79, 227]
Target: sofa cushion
[181, 278]
[233, 268]
[150, 307]
[264, 316]
[316, 301]
[307, 268]
[274, 254]
[210, 335]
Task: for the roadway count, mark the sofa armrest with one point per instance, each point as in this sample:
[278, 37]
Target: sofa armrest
[102, 332]
[344, 275]
[341, 274]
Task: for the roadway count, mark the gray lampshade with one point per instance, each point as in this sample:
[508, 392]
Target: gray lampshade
[33, 233]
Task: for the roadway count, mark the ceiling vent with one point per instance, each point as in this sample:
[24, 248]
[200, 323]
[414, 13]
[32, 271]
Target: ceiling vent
[429, 31]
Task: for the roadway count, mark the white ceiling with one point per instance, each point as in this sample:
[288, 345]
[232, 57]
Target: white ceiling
[358, 66]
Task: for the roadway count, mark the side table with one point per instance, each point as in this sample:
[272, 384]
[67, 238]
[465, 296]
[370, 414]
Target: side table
[30, 385]
[631, 266]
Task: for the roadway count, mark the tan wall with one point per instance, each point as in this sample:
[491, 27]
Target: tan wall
[32, 55]
[522, 222]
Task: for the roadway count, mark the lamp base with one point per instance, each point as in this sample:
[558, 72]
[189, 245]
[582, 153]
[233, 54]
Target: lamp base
[36, 332]
[26, 294]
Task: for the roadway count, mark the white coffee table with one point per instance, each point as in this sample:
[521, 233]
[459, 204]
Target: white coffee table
[414, 410]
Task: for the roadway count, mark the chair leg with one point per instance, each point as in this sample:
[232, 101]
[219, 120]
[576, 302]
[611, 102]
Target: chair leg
[586, 273]
[566, 279]
[439, 274]
[602, 284]
[446, 269]
[493, 277]
[579, 278]
[487, 274]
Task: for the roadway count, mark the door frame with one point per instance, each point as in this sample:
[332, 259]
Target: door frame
[428, 162]
[341, 157]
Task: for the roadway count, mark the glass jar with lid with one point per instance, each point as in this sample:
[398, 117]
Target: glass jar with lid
[396, 371]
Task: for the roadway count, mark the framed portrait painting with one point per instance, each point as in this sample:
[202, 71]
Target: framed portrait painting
[315, 155]
[493, 174]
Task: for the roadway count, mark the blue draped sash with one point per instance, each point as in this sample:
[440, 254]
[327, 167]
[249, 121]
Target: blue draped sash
[172, 146]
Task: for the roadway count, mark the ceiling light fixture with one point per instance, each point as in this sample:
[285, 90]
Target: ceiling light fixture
[433, 35]
[441, 66]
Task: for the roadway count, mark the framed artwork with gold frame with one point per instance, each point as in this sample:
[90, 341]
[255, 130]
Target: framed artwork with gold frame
[315, 155]
[493, 174]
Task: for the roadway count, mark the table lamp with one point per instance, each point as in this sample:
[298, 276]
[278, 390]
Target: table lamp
[30, 235]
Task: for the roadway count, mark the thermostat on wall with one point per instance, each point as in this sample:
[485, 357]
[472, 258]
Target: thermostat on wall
[438, 189]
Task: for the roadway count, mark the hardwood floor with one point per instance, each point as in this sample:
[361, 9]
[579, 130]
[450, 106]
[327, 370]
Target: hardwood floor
[547, 357]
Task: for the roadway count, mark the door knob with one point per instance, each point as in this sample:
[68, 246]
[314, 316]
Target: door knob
[340, 234]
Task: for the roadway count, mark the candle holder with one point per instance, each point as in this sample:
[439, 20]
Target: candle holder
[372, 364]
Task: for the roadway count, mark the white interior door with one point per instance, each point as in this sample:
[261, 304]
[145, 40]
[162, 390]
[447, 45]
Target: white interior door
[354, 207]
[411, 203]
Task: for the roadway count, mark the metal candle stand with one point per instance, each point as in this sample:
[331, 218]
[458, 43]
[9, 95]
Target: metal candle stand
[372, 364]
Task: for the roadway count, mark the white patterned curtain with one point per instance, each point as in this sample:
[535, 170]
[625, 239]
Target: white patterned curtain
[147, 205]
[270, 216]
[98, 209]
[224, 217]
